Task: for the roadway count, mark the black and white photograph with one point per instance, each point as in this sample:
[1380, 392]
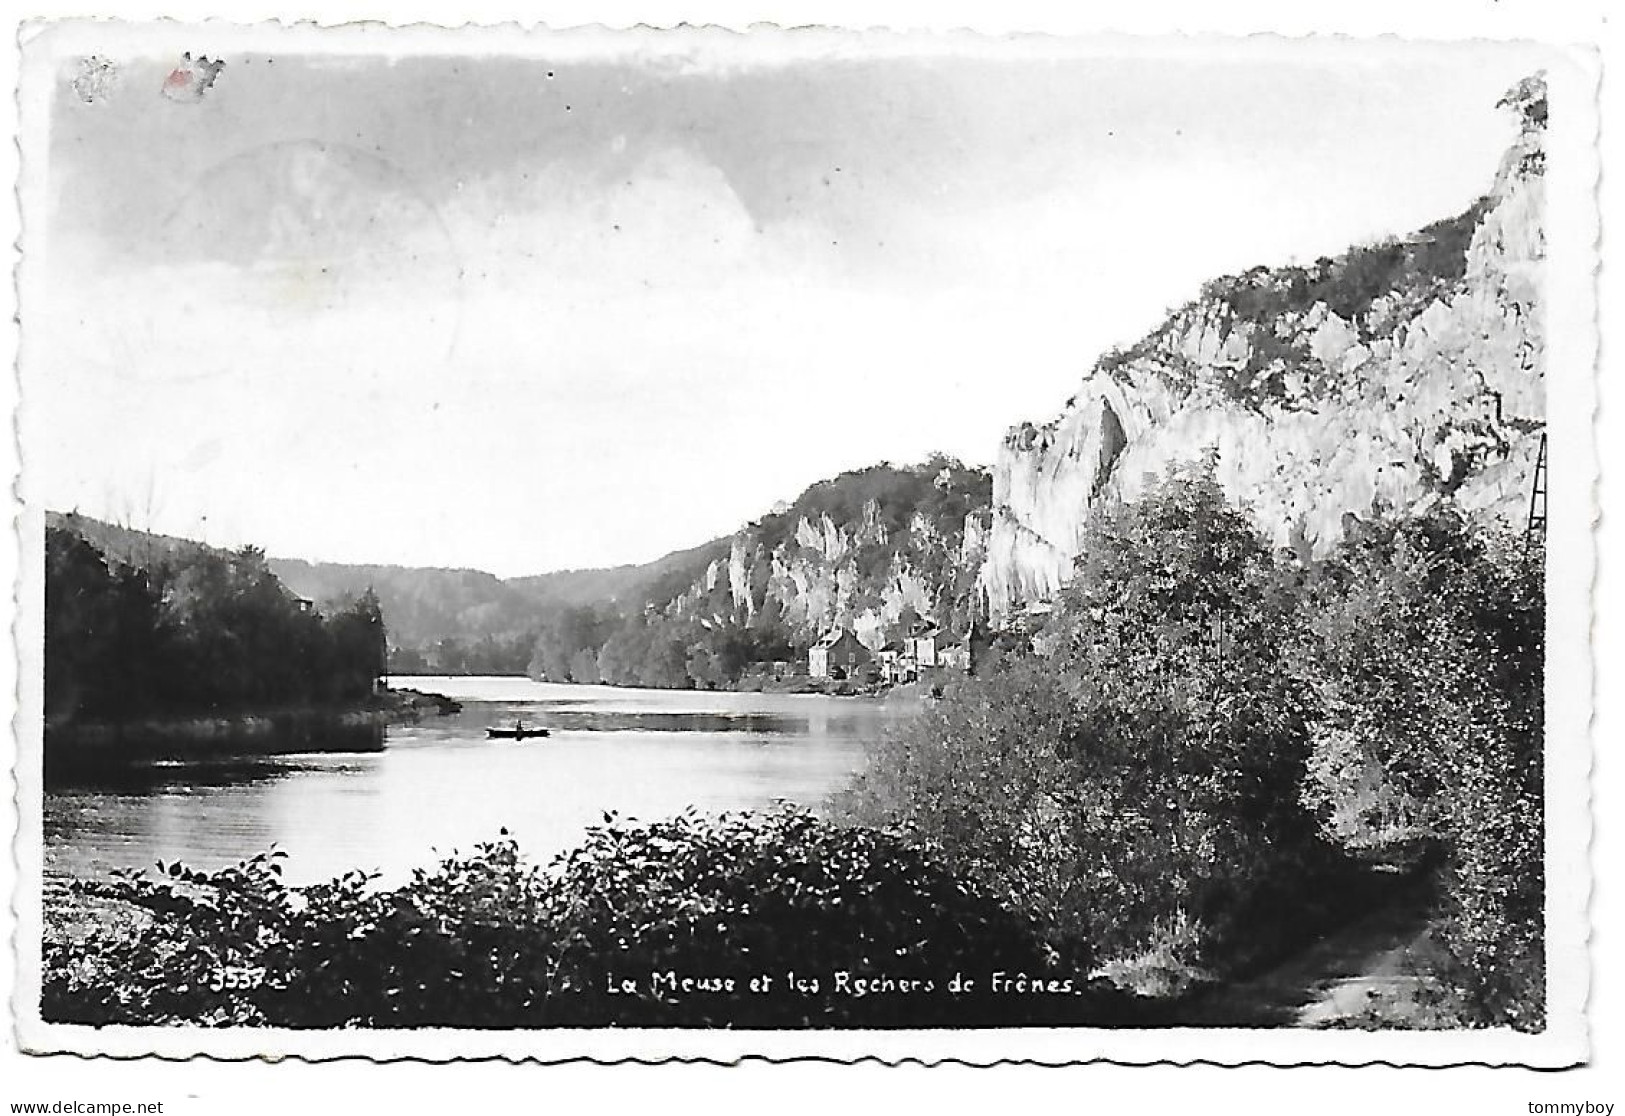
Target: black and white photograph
[647, 543]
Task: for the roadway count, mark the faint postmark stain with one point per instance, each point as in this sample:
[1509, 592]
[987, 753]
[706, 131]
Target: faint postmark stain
[314, 236]
[96, 80]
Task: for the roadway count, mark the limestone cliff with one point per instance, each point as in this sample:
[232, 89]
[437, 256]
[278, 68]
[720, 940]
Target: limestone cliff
[869, 551]
[1393, 376]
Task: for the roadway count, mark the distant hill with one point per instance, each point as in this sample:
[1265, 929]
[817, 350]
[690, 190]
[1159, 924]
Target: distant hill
[873, 550]
[652, 581]
[461, 620]
[142, 549]
[422, 606]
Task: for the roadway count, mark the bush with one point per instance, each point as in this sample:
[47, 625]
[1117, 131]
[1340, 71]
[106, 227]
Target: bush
[984, 775]
[852, 926]
[781, 894]
[158, 943]
[1426, 642]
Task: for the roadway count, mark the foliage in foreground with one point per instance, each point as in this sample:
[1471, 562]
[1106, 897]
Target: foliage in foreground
[1216, 738]
[1426, 642]
[603, 938]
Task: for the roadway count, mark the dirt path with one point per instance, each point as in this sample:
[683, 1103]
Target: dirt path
[1381, 971]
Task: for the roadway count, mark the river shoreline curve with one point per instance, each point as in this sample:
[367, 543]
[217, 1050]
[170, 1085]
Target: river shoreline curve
[82, 745]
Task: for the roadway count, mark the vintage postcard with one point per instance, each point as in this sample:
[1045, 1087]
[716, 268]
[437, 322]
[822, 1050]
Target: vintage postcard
[692, 543]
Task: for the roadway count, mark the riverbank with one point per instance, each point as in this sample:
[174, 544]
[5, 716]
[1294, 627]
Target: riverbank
[75, 745]
[798, 684]
[604, 938]
[801, 684]
[410, 705]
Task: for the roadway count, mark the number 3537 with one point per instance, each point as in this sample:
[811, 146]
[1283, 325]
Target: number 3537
[236, 978]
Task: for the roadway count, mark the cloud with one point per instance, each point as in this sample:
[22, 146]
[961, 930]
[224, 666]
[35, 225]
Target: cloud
[639, 311]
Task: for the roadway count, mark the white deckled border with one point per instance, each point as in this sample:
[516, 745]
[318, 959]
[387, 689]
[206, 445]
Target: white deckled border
[1572, 333]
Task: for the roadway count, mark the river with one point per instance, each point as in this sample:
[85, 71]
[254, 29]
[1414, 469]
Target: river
[441, 785]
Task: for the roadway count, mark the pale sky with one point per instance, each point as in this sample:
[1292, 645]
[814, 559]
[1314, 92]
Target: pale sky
[525, 314]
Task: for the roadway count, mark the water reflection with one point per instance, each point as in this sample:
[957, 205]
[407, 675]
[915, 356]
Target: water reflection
[160, 775]
[598, 720]
[442, 785]
[137, 753]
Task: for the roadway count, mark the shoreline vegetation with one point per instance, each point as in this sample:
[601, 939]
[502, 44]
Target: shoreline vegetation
[1198, 770]
[81, 745]
[174, 649]
[799, 684]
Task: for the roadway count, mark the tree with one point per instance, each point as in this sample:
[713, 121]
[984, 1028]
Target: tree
[450, 657]
[584, 667]
[102, 634]
[705, 667]
[360, 643]
[1173, 625]
[620, 662]
[665, 660]
[563, 636]
[202, 631]
[407, 660]
[1426, 641]
[1188, 739]
[1146, 771]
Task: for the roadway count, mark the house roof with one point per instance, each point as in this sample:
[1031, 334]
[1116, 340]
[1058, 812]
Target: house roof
[831, 637]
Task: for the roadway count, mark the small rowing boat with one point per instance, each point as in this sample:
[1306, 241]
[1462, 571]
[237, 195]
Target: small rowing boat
[518, 732]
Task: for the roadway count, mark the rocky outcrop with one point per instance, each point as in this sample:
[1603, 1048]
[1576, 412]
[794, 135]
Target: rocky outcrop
[872, 565]
[1391, 377]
